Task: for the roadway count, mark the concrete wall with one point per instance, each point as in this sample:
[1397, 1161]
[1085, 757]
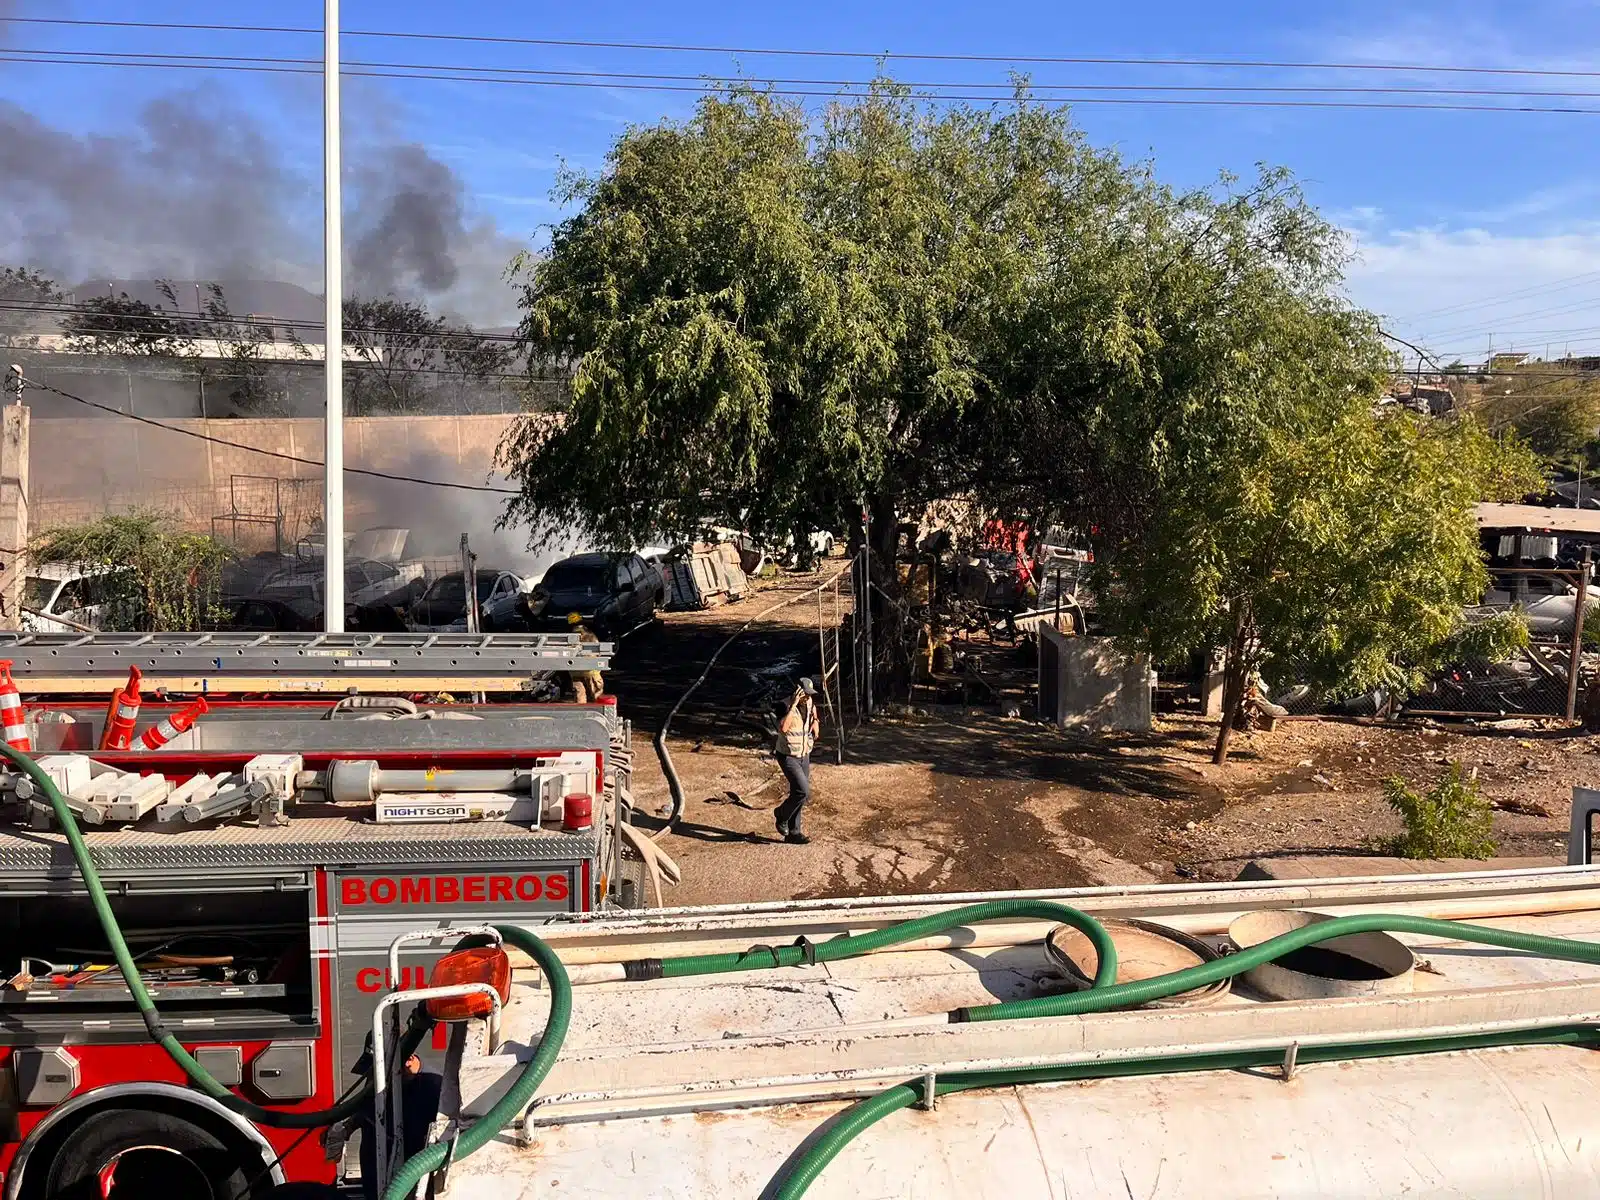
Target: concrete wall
[1087, 683]
[14, 463]
[82, 468]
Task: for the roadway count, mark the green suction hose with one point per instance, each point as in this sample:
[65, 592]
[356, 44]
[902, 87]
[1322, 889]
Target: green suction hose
[1130, 995]
[488, 1126]
[850, 945]
[1105, 996]
[419, 1165]
[859, 1117]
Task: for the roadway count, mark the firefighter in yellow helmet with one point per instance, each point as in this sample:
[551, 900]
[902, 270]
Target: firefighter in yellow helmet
[586, 685]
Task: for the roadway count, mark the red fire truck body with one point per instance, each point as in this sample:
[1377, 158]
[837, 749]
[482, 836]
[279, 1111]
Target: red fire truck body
[266, 945]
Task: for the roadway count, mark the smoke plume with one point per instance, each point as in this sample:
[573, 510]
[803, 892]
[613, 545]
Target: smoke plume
[437, 517]
[409, 242]
[195, 188]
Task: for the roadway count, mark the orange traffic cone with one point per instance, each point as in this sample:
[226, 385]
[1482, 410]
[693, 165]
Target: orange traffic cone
[13, 721]
[122, 713]
[164, 730]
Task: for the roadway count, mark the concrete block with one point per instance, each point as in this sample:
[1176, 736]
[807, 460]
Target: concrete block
[1088, 683]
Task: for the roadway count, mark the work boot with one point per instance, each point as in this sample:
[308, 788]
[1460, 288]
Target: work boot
[795, 838]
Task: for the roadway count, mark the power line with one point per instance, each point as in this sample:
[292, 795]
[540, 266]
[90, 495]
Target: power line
[1507, 321]
[1525, 336]
[155, 58]
[1471, 372]
[707, 87]
[1562, 283]
[309, 462]
[797, 52]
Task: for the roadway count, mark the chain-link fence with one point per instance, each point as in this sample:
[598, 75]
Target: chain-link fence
[1541, 680]
[162, 387]
[1534, 683]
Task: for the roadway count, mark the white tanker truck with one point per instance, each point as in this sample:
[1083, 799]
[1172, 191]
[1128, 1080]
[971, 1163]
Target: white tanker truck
[956, 1046]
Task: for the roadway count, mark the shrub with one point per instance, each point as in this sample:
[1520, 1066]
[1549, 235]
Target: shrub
[1452, 820]
[171, 576]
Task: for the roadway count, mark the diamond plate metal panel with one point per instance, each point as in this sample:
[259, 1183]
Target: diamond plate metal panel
[303, 843]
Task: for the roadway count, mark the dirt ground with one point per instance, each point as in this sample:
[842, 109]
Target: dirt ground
[946, 799]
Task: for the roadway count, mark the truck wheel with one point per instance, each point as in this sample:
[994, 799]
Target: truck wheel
[122, 1153]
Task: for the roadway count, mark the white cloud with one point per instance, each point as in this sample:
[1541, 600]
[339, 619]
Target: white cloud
[1452, 289]
[1455, 39]
[1546, 202]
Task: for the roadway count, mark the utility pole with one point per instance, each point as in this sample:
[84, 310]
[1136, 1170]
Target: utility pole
[332, 324]
[469, 581]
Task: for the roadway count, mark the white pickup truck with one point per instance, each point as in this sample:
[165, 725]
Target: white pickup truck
[72, 598]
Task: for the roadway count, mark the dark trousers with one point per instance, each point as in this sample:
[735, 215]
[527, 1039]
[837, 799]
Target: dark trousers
[420, 1098]
[798, 772]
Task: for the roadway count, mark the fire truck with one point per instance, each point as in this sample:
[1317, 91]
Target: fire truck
[260, 864]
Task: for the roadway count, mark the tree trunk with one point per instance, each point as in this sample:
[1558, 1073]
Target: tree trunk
[884, 536]
[885, 531]
[804, 558]
[1235, 674]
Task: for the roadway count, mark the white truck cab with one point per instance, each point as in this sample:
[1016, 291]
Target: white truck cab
[70, 597]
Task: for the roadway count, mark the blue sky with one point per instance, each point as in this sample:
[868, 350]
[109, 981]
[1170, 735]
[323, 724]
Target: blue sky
[1479, 213]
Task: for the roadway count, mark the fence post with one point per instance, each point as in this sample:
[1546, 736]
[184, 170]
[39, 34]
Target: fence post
[469, 582]
[1580, 602]
[866, 609]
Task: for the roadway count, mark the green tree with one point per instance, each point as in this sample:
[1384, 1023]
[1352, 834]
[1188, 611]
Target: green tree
[1553, 406]
[171, 575]
[768, 322]
[409, 360]
[245, 365]
[232, 358]
[26, 297]
[887, 307]
[771, 321]
[1332, 541]
[125, 326]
